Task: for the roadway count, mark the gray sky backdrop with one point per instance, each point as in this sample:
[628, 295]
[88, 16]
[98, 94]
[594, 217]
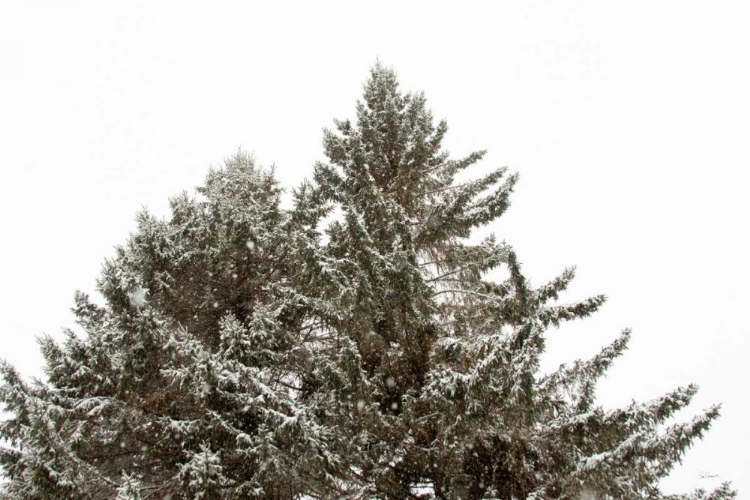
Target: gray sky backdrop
[628, 122]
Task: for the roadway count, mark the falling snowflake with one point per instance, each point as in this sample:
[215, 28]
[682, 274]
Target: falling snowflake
[250, 244]
[137, 296]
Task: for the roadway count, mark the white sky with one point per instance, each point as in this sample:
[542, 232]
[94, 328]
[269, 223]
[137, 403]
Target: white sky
[628, 122]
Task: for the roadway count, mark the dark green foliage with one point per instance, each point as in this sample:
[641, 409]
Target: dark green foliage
[349, 347]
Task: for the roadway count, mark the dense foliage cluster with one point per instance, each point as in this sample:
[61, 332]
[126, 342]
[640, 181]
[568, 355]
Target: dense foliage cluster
[351, 346]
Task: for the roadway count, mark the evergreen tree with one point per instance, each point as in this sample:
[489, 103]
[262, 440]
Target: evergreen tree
[352, 346]
[185, 378]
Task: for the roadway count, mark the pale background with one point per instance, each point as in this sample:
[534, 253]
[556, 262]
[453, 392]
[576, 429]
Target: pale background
[628, 122]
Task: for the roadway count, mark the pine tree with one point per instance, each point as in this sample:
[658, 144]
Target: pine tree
[185, 378]
[352, 346]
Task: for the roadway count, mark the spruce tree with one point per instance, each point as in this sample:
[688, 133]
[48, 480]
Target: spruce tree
[352, 346]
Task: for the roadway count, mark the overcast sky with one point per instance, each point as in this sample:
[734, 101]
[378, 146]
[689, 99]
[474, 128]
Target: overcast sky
[627, 121]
